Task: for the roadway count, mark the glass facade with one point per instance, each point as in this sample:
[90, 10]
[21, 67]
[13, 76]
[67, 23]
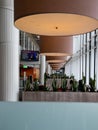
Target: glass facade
[84, 60]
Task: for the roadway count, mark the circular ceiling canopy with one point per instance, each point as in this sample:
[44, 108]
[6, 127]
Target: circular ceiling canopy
[56, 18]
[56, 59]
[56, 46]
[55, 68]
[58, 65]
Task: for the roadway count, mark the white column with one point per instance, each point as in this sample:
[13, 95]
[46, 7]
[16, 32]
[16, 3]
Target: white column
[29, 43]
[92, 59]
[46, 67]
[9, 53]
[49, 69]
[42, 68]
[24, 41]
[87, 65]
[97, 64]
[81, 71]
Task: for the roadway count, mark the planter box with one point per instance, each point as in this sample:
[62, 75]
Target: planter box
[60, 96]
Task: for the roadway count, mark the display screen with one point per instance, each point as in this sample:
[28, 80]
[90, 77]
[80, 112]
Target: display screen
[27, 55]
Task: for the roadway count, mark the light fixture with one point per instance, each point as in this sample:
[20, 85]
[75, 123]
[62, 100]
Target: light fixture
[56, 59]
[56, 17]
[56, 46]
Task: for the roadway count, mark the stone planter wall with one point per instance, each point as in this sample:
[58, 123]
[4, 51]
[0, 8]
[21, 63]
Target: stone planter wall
[60, 96]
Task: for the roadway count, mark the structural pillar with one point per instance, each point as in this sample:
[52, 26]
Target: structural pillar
[49, 69]
[42, 68]
[9, 53]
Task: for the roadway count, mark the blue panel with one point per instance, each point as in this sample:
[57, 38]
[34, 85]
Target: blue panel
[48, 116]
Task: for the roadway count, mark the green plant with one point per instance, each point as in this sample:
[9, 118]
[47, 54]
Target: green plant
[82, 87]
[54, 85]
[45, 79]
[75, 86]
[72, 77]
[28, 87]
[64, 75]
[82, 84]
[92, 84]
[63, 84]
[43, 88]
[35, 85]
[84, 80]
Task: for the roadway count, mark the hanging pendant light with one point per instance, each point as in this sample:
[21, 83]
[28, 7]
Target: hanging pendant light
[56, 17]
[56, 46]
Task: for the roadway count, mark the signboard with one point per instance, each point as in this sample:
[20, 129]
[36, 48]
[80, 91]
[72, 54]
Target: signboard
[27, 55]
